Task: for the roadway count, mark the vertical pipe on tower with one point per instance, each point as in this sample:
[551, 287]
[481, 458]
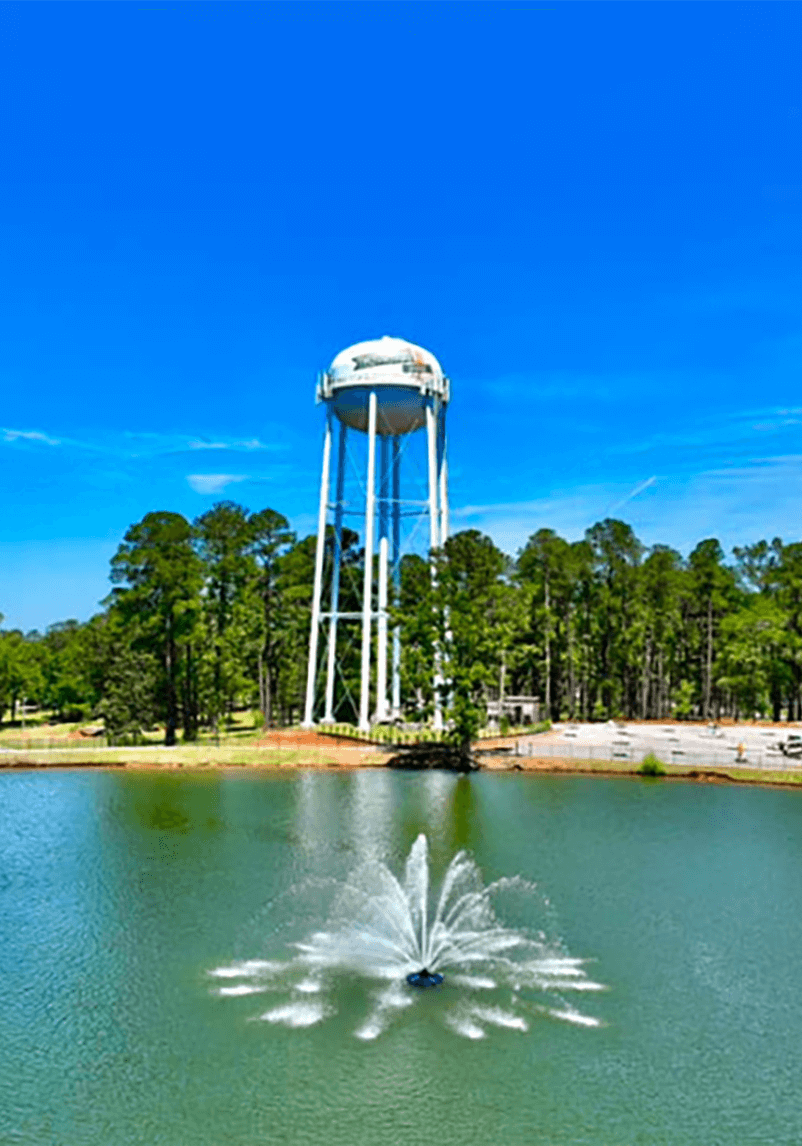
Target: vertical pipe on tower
[335, 576]
[396, 575]
[311, 673]
[432, 420]
[367, 585]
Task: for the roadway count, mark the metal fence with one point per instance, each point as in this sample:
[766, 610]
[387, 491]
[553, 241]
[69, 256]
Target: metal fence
[42, 743]
[761, 758]
[758, 758]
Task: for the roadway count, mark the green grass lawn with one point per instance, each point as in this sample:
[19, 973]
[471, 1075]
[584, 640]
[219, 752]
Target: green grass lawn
[44, 730]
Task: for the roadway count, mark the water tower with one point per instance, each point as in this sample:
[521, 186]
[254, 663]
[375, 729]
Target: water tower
[384, 391]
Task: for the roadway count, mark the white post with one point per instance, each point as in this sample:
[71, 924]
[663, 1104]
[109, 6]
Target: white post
[445, 523]
[381, 649]
[367, 585]
[335, 578]
[434, 543]
[311, 673]
[431, 434]
[443, 460]
[396, 515]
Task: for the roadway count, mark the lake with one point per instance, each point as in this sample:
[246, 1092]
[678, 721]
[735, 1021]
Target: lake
[121, 891]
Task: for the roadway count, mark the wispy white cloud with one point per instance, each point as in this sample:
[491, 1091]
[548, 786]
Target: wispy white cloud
[144, 443]
[633, 493]
[735, 434]
[137, 444]
[778, 423]
[249, 445]
[467, 511]
[755, 498]
[29, 436]
[570, 512]
[584, 500]
[214, 483]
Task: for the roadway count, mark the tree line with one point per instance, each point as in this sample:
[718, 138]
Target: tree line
[211, 616]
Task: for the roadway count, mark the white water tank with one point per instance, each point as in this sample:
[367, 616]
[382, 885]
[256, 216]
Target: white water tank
[402, 375]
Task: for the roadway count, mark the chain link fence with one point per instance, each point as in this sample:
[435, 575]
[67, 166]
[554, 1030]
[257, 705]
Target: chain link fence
[761, 758]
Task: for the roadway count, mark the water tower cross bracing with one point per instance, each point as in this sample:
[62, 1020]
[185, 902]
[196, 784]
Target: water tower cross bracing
[380, 392]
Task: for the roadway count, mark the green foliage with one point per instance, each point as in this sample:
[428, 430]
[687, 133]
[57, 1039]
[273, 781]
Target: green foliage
[651, 766]
[271, 540]
[21, 676]
[128, 706]
[455, 617]
[213, 616]
[685, 702]
[223, 538]
[473, 607]
[158, 609]
[547, 569]
[754, 653]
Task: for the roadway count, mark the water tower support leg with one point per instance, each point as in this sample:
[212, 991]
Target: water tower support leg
[311, 673]
[442, 465]
[381, 642]
[367, 585]
[335, 577]
[432, 420]
[384, 484]
[396, 575]
[431, 434]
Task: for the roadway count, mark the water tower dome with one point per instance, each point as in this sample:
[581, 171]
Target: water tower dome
[402, 375]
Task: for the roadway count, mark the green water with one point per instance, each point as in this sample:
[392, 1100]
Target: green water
[119, 892]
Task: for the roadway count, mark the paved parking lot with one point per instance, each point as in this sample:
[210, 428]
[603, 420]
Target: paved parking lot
[747, 745]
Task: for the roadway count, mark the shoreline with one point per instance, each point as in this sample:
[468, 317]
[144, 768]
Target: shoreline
[340, 758]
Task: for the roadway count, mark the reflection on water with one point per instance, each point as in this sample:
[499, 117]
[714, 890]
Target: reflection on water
[375, 812]
[461, 817]
[371, 811]
[119, 891]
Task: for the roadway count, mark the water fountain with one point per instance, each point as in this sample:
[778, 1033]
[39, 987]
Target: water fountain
[390, 931]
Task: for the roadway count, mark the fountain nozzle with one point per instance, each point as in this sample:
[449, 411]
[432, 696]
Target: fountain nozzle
[425, 978]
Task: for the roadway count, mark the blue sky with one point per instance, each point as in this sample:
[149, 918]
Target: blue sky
[592, 214]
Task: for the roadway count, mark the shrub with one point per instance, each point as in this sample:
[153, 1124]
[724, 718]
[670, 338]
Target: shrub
[76, 713]
[683, 708]
[651, 766]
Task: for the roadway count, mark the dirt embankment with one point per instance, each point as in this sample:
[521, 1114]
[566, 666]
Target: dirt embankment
[293, 748]
[322, 749]
[307, 738]
[284, 748]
